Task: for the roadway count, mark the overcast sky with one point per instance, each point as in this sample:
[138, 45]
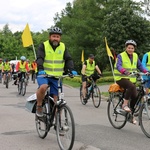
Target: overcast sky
[38, 14]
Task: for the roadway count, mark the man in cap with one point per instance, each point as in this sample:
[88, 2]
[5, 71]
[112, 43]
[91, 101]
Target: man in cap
[89, 67]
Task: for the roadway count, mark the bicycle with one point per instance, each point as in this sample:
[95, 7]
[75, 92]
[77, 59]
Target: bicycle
[22, 84]
[34, 77]
[92, 91]
[7, 78]
[57, 115]
[118, 117]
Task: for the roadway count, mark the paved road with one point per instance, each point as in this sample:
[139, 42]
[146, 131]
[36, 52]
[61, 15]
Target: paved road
[93, 130]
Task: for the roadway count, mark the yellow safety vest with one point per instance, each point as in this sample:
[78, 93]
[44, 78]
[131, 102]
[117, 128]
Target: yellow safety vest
[54, 62]
[22, 67]
[89, 68]
[148, 62]
[126, 64]
[1, 66]
[6, 66]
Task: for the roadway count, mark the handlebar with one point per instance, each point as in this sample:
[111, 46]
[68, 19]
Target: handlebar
[139, 74]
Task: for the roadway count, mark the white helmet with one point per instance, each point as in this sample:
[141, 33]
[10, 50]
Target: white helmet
[132, 42]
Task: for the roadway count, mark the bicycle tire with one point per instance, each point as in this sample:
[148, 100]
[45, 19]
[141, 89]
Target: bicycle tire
[34, 76]
[81, 96]
[144, 119]
[96, 96]
[6, 82]
[65, 123]
[42, 126]
[23, 90]
[115, 116]
[19, 87]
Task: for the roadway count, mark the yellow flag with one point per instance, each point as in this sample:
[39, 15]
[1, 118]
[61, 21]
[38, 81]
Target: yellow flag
[26, 37]
[108, 49]
[82, 56]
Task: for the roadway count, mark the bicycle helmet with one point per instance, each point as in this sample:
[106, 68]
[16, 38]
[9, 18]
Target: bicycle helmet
[132, 42]
[55, 30]
[23, 58]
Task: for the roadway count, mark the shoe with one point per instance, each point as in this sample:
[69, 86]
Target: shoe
[61, 132]
[134, 121]
[39, 111]
[85, 100]
[126, 108]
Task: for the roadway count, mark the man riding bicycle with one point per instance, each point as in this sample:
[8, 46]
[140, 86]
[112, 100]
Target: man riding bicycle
[88, 68]
[22, 68]
[1, 65]
[52, 59]
[6, 69]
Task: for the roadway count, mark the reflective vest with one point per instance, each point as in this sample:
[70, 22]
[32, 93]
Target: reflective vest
[22, 67]
[1, 66]
[126, 64]
[34, 66]
[54, 62]
[148, 62]
[89, 68]
[6, 66]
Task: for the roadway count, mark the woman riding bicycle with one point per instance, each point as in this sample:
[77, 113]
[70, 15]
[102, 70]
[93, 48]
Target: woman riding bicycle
[88, 69]
[126, 63]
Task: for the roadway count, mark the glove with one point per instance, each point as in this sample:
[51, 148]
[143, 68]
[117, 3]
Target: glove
[74, 72]
[41, 72]
[126, 73]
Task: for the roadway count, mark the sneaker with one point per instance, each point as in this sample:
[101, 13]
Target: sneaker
[61, 132]
[39, 111]
[85, 100]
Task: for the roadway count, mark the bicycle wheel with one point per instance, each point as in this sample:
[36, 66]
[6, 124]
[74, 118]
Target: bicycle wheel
[6, 82]
[42, 126]
[81, 96]
[116, 115]
[144, 119]
[96, 96]
[65, 128]
[19, 87]
[23, 91]
[34, 76]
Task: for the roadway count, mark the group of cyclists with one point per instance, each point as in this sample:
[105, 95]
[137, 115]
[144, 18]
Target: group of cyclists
[15, 71]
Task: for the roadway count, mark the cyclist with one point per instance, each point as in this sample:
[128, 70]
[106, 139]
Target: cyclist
[1, 65]
[88, 68]
[52, 59]
[22, 68]
[33, 69]
[6, 69]
[146, 64]
[127, 62]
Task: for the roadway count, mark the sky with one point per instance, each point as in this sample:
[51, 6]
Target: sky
[38, 14]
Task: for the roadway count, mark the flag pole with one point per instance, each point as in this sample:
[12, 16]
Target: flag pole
[112, 68]
[34, 51]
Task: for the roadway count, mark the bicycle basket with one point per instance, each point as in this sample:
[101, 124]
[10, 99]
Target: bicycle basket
[115, 88]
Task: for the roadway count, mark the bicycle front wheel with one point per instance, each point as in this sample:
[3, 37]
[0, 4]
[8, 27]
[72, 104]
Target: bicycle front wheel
[42, 123]
[7, 81]
[65, 128]
[81, 96]
[96, 96]
[23, 91]
[116, 115]
[144, 119]
[19, 87]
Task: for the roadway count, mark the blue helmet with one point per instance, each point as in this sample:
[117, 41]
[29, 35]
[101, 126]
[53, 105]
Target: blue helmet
[23, 58]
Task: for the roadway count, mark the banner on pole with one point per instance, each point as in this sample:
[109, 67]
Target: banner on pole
[108, 49]
[82, 56]
[26, 37]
